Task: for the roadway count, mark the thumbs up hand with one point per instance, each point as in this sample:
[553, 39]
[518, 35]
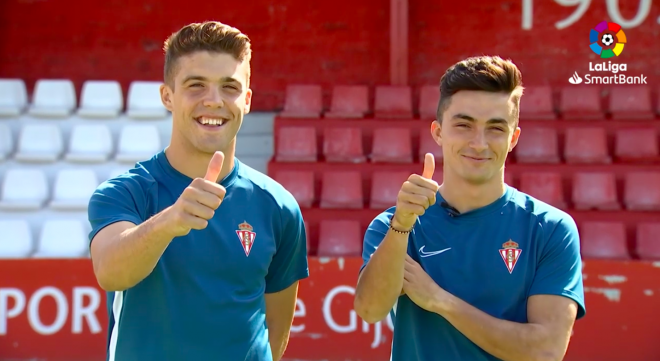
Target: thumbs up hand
[416, 195]
[198, 202]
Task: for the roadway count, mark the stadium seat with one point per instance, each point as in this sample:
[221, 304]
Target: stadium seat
[62, 238]
[39, 143]
[536, 104]
[538, 145]
[636, 145]
[583, 102]
[53, 98]
[630, 102]
[340, 238]
[13, 97]
[642, 191]
[23, 189]
[73, 189]
[101, 99]
[392, 145]
[341, 190]
[16, 240]
[6, 142]
[296, 144]
[89, 143]
[648, 242]
[144, 101]
[595, 190]
[349, 101]
[429, 97]
[300, 184]
[138, 142]
[303, 101]
[393, 102]
[343, 145]
[385, 188]
[544, 186]
[603, 240]
[586, 145]
[428, 145]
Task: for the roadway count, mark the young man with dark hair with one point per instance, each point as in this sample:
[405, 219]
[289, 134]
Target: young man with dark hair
[200, 254]
[474, 269]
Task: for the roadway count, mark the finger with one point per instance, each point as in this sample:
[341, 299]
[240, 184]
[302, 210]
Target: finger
[198, 210]
[429, 166]
[206, 193]
[415, 199]
[215, 167]
[195, 222]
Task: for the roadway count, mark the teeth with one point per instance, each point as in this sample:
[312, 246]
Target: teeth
[211, 121]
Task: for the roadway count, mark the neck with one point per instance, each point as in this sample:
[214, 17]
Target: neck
[193, 163]
[465, 196]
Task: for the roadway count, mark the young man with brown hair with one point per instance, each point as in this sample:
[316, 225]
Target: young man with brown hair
[200, 254]
[473, 268]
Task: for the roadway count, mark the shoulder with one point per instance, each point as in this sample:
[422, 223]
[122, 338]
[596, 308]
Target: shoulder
[269, 191]
[140, 178]
[550, 219]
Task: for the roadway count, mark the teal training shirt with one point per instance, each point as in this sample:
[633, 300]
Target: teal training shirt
[205, 298]
[493, 258]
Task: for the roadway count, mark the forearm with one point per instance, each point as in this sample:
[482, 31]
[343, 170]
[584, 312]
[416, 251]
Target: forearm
[278, 340]
[506, 340]
[381, 281]
[132, 255]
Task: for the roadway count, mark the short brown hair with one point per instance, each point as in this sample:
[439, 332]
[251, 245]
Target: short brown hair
[486, 73]
[212, 36]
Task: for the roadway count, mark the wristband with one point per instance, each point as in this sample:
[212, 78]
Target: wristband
[398, 231]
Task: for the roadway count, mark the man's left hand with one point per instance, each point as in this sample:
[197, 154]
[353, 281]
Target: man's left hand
[420, 287]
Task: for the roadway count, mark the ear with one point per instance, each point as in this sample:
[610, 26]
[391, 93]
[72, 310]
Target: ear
[248, 101]
[166, 96]
[514, 138]
[436, 132]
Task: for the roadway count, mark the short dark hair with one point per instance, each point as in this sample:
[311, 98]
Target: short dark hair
[212, 36]
[486, 73]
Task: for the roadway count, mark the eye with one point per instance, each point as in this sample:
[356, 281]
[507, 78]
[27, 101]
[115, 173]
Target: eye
[196, 85]
[233, 87]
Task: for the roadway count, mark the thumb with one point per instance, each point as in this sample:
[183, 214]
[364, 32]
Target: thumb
[215, 167]
[429, 166]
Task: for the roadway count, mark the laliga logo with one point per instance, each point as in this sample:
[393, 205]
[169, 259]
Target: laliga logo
[602, 39]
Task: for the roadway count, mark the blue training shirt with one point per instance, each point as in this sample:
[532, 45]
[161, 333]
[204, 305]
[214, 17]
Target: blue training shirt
[493, 258]
[205, 298]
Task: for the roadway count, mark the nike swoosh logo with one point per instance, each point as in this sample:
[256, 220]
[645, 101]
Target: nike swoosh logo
[429, 254]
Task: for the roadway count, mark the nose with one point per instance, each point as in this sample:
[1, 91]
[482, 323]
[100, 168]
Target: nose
[213, 98]
[478, 142]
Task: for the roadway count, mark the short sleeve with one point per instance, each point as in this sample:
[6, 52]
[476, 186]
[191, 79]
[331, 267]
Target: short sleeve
[119, 199]
[374, 235]
[289, 263]
[559, 271]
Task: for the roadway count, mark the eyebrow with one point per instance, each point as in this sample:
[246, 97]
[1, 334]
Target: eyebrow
[226, 79]
[470, 119]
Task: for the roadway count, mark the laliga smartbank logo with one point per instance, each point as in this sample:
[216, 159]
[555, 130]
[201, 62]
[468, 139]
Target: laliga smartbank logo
[607, 40]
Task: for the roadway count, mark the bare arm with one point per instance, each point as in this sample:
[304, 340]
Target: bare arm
[280, 308]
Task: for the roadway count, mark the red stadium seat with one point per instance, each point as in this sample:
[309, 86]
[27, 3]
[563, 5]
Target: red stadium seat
[546, 187]
[385, 188]
[392, 145]
[300, 184]
[303, 101]
[349, 101]
[642, 191]
[342, 190]
[586, 145]
[631, 102]
[393, 102]
[428, 145]
[429, 97]
[636, 145]
[582, 102]
[595, 191]
[296, 144]
[343, 145]
[340, 238]
[537, 145]
[537, 103]
[648, 241]
[603, 240]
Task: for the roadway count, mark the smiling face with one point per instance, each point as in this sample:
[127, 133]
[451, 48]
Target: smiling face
[477, 131]
[208, 97]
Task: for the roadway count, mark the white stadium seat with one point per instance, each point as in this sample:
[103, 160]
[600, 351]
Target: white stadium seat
[144, 101]
[23, 189]
[101, 99]
[13, 97]
[138, 142]
[16, 240]
[6, 142]
[62, 238]
[53, 99]
[89, 143]
[39, 143]
[73, 189]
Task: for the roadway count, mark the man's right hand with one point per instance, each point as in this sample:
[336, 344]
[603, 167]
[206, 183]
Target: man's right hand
[416, 195]
[198, 202]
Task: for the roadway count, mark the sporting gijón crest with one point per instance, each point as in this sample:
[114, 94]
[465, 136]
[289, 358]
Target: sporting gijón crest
[246, 235]
[510, 254]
